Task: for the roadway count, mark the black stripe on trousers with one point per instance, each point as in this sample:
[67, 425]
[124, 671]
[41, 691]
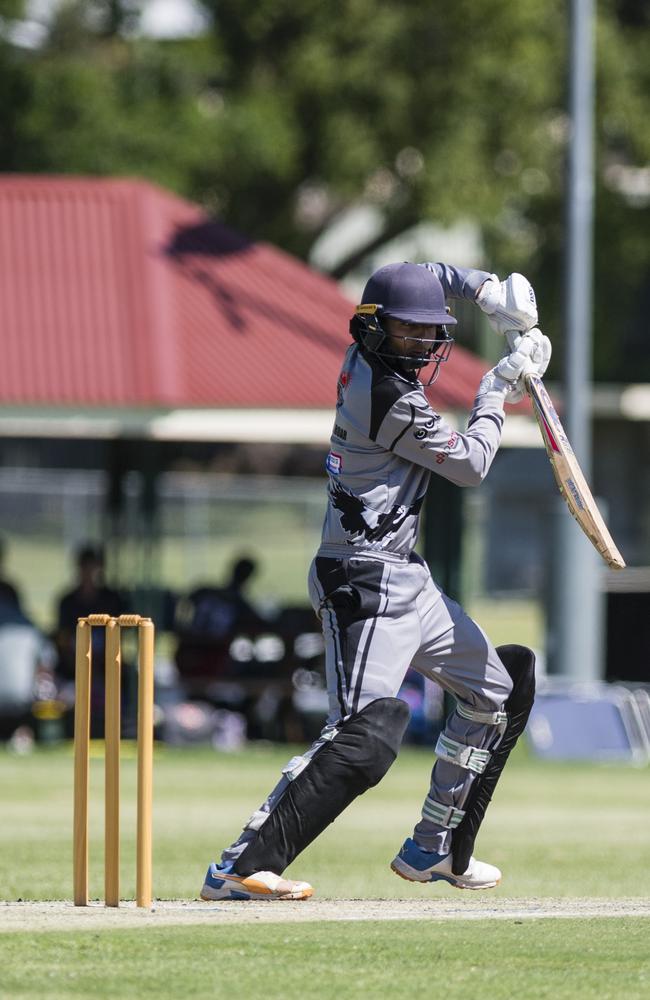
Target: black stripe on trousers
[362, 667]
[338, 658]
[352, 595]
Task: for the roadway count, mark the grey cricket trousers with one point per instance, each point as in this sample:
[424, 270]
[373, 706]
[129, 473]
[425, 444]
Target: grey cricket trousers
[381, 616]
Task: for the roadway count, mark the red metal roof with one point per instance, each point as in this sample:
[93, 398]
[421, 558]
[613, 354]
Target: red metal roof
[118, 293]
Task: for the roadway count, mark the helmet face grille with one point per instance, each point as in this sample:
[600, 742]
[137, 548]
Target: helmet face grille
[416, 352]
[421, 352]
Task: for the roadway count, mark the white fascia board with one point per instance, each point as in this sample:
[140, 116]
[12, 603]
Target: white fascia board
[290, 426]
[295, 427]
[281, 425]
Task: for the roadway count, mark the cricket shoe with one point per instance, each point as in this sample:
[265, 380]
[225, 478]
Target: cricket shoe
[416, 865]
[222, 884]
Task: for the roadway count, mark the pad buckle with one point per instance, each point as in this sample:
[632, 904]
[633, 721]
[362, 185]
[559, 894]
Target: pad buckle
[487, 718]
[470, 758]
[437, 812]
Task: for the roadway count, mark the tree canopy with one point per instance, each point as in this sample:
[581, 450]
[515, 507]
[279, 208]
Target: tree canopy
[289, 112]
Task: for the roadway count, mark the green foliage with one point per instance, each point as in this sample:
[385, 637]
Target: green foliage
[92, 102]
[388, 104]
[111, 117]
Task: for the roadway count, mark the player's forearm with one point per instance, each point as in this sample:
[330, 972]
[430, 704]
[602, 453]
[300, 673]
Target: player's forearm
[470, 468]
[468, 462]
[415, 432]
[458, 282]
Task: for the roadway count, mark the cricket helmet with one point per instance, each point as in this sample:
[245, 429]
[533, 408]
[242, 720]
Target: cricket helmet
[412, 294]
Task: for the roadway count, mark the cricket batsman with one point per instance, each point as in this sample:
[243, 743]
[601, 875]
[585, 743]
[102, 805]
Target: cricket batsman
[380, 609]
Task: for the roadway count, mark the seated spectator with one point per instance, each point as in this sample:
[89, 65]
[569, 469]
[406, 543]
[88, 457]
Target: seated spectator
[207, 620]
[90, 595]
[25, 667]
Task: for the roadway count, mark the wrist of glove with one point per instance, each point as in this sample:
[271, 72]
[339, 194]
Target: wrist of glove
[530, 354]
[509, 304]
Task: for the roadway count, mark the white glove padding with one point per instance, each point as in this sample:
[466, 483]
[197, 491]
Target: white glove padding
[530, 354]
[509, 304]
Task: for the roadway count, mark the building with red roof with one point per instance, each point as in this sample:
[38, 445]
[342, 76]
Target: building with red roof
[126, 309]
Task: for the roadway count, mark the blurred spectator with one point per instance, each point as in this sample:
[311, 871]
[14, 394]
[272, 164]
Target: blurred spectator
[8, 588]
[90, 595]
[207, 620]
[26, 678]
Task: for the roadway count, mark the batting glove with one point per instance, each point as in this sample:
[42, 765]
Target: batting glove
[509, 304]
[530, 354]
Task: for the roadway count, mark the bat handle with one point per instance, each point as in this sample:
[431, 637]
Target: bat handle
[512, 337]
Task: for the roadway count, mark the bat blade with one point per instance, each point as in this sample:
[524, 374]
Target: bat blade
[569, 476]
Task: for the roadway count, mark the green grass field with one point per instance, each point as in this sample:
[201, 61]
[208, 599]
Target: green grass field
[529, 960]
[571, 831]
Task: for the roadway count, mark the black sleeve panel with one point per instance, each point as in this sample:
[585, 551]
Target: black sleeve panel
[386, 390]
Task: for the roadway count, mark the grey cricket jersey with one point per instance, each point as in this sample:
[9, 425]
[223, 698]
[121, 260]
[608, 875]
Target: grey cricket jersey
[386, 442]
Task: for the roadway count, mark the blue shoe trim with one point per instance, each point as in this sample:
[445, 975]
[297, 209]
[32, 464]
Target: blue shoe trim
[214, 873]
[419, 859]
[435, 877]
[234, 894]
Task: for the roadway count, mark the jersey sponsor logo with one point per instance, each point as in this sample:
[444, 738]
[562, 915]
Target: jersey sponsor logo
[441, 455]
[340, 432]
[333, 463]
[359, 521]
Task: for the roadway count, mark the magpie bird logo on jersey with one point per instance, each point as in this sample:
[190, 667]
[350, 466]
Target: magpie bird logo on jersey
[360, 521]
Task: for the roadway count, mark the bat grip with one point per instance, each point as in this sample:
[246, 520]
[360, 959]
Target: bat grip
[512, 336]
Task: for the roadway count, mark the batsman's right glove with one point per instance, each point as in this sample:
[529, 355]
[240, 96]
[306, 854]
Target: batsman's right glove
[530, 354]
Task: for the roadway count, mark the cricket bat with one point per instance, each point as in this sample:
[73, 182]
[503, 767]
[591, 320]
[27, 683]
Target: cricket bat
[568, 474]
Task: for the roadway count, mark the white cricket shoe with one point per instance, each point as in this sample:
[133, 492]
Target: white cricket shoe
[220, 884]
[416, 865]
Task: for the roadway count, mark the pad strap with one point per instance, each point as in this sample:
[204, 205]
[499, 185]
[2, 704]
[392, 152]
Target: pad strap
[441, 814]
[471, 758]
[290, 772]
[487, 718]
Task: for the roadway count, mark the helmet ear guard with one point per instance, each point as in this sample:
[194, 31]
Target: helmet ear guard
[365, 327]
